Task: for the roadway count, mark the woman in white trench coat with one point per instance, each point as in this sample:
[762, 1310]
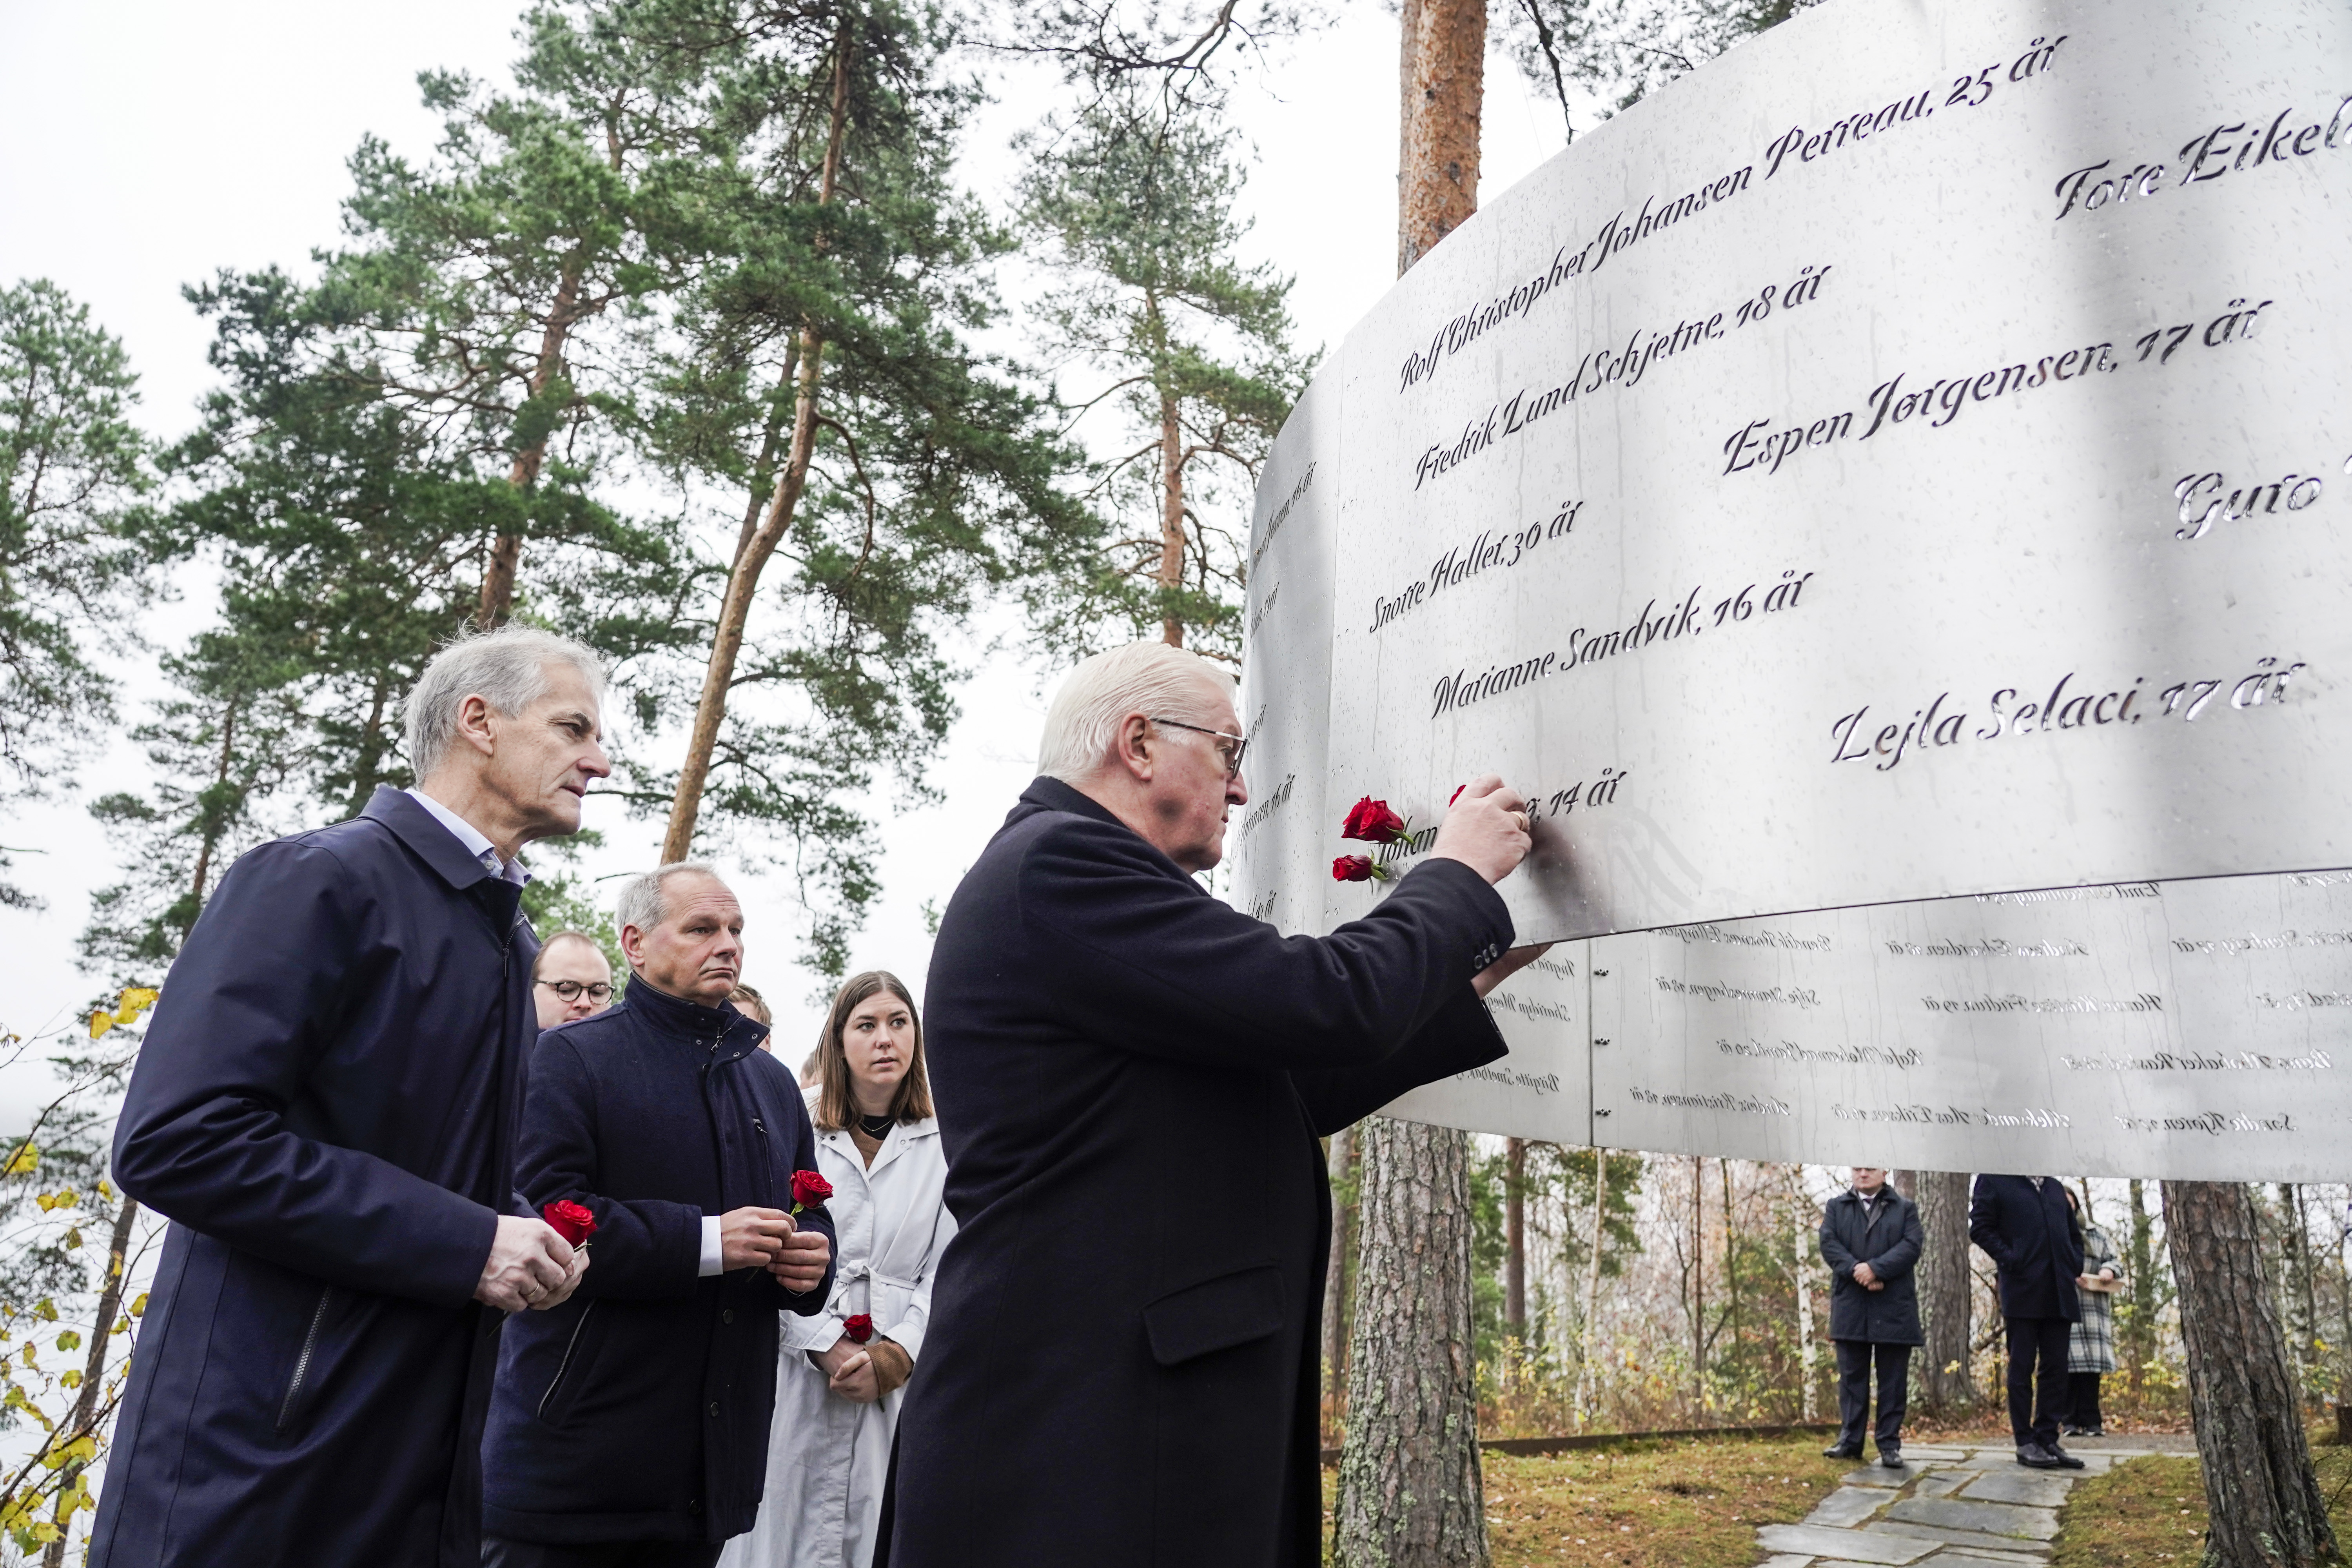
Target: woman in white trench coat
[837, 1401]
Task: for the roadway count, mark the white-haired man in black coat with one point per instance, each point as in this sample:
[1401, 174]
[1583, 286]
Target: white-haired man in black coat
[1131, 1077]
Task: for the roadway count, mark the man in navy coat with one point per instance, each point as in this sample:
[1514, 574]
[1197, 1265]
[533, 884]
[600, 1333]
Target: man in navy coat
[2025, 1227]
[1131, 1077]
[323, 1109]
[629, 1428]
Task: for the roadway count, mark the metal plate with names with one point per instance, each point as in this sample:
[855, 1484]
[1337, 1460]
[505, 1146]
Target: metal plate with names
[1908, 457]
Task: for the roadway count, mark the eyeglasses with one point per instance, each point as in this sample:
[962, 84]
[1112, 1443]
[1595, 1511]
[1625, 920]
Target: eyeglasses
[571, 990]
[1235, 745]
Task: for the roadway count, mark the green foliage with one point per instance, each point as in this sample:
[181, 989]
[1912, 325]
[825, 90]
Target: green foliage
[73, 558]
[555, 898]
[1134, 210]
[1558, 1176]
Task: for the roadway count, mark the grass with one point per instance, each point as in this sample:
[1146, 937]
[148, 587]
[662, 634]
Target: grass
[1681, 1503]
[2151, 1513]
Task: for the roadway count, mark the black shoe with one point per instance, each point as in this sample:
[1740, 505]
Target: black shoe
[2064, 1460]
[1890, 1458]
[2035, 1456]
[1839, 1451]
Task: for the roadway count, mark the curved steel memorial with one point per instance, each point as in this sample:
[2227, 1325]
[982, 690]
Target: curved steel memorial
[1887, 500]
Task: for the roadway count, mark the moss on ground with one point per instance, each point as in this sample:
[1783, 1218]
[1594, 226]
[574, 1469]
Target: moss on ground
[2150, 1512]
[1673, 1503]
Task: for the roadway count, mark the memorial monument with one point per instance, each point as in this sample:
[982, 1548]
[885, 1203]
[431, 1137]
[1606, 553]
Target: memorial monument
[1885, 497]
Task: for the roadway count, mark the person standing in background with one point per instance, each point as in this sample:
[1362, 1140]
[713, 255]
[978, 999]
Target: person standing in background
[2091, 1348]
[629, 1429]
[572, 979]
[841, 1374]
[754, 1006]
[1871, 1239]
[2023, 1225]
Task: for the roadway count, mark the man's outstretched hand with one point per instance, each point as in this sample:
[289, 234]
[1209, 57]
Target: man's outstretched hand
[1503, 968]
[529, 1266]
[800, 1269]
[1485, 829]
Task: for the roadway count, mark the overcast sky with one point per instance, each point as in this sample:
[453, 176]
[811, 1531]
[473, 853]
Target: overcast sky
[144, 146]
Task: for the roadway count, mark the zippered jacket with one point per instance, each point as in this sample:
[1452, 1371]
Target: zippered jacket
[1890, 1241]
[638, 1410]
[321, 1106]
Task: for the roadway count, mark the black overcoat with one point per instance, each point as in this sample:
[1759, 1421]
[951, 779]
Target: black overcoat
[1121, 1368]
[2029, 1234]
[638, 1410]
[323, 1107]
[1890, 1242]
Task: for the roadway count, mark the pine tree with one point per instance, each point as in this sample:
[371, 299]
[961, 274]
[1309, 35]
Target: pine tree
[72, 468]
[885, 474]
[1136, 206]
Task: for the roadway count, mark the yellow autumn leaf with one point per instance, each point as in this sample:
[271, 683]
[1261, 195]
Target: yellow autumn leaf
[139, 1305]
[24, 1161]
[70, 1340]
[46, 1532]
[70, 1378]
[100, 1022]
[136, 999]
[47, 1312]
[28, 1354]
[105, 1190]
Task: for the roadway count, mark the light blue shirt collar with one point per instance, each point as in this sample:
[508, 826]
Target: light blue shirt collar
[479, 848]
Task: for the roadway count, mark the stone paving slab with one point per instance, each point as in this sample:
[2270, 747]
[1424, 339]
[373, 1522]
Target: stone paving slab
[2035, 1489]
[1784, 1559]
[1846, 1506]
[1872, 1475]
[1974, 1560]
[1943, 1484]
[1993, 1518]
[1843, 1545]
[1973, 1540]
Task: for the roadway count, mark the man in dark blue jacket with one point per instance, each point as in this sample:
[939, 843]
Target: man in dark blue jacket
[1871, 1240]
[629, 1428]
[323, 1109]
[1120, 1366]
[2023, 1225]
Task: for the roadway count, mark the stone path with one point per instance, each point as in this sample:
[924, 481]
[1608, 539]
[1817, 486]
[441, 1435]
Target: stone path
[1956, 1507]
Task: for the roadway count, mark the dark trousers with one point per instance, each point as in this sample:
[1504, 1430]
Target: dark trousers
[2037, 1378]
[1853, 1358]
[2083, 1401]
[499, 1552]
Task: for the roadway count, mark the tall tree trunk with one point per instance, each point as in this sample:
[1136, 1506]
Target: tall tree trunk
[1410, 1491]
[2136, 1339]
[1808, 1260]
[1437, 160]
[1172, 514]
[1410, 1495]
[751, 557]
[1514, 1236]
[2263, 1499]
[83, 1422]
[1698, 1285]
[1343, 1163]
[1587, 1379]
[505, 550]
[1946, 1292]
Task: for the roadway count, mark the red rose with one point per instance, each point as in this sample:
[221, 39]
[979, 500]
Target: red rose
[857, 1329]
[1352, 868]
[809, 1190]
[1456, 794]
[576, 1223]
[1372, 821]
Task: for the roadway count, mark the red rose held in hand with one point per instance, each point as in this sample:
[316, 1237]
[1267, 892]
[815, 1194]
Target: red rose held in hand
[576, 1223]
[809, 1190]
[1372, 821]
[1352, 868]
[857, 1329]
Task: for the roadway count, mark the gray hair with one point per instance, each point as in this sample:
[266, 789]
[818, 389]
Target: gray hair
[1146, 678]
[642, 904]
[506, 669]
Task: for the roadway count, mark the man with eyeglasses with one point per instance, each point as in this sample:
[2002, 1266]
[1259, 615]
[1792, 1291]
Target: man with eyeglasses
[572, 980]
[1121, 1363]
